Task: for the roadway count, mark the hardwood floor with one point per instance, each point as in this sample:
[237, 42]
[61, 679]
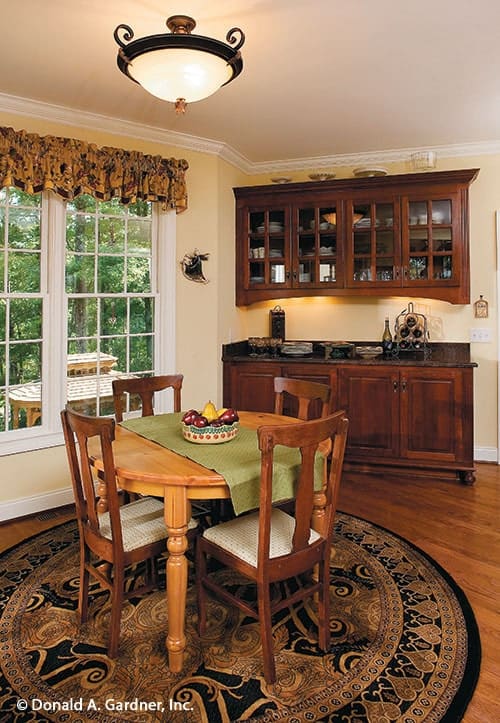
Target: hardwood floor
[458, 526]
[14, 531]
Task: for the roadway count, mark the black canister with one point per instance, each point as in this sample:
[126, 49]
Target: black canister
[277, 323]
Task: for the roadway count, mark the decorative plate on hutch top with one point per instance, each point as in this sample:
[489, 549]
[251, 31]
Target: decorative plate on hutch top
[321, 176]
[369, 172]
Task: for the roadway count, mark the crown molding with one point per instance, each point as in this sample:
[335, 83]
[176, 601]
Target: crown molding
[118, 126]
[377, 158]
[94, 121]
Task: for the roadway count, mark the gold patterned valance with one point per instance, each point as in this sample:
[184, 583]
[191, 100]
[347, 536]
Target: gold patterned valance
[70, 167]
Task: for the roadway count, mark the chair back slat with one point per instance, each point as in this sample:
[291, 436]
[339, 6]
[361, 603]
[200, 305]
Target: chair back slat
[145, 388]
[305, 392]
[304, 498]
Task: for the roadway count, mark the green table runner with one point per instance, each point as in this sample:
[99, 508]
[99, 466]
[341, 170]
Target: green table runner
[238, 461]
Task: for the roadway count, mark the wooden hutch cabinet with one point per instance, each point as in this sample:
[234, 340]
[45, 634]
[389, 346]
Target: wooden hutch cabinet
[403, 235]
[408, 415]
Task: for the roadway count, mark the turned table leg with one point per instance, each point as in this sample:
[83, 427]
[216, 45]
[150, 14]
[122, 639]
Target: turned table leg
[177, 513]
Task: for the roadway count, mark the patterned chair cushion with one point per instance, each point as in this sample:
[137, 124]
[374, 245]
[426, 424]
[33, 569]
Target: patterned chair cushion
[142, 523]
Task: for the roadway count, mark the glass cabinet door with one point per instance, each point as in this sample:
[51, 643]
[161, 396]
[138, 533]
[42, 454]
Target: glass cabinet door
[268, 248]
[431, 256]
[374, 243]
[315, 250]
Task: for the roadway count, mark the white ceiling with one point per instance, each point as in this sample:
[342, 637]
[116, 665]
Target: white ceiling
[321, 78]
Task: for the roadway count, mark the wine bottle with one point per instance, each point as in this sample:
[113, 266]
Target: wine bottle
[387, 338]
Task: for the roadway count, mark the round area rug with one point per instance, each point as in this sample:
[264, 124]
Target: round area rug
[405, 645]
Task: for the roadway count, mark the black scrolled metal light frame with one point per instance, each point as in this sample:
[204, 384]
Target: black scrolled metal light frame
[130, 49]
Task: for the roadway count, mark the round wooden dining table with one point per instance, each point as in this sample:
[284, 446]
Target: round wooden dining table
[148, 468]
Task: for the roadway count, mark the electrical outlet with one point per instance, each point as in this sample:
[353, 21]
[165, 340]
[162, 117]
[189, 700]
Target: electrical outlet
[481, 336]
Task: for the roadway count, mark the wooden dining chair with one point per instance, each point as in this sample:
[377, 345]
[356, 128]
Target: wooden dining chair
[270, 545]
[305, 393]
[145, 388]
[113, 540]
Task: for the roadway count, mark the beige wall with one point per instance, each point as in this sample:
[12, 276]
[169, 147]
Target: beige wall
[207, 316]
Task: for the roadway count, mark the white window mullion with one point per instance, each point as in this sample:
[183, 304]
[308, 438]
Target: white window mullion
[55, 343]
[165, 262]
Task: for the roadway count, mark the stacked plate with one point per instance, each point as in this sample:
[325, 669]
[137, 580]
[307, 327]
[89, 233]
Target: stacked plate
[369, 352]
[297, 348]
[275, 226]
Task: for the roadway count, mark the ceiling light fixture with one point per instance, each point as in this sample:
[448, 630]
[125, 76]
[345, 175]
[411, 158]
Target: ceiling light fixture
[179, 67]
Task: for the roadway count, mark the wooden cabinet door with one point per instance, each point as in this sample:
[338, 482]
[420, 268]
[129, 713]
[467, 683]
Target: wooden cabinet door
[251, 386]
[370, 396]
[317, 248]
[434, 241]
[263, 247]
[434, 410]
[373, 242]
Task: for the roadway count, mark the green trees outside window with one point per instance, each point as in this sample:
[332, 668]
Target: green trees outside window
[109, 292]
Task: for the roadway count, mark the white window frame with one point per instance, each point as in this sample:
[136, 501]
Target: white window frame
[54, 344]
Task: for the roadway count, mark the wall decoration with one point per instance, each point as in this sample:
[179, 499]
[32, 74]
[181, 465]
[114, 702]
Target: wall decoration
[481, 308]
[192, 266]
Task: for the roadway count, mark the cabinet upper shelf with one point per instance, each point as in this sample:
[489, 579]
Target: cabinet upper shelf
[396, 235]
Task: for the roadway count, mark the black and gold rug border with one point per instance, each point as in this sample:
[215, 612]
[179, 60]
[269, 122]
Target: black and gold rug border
[474, 652]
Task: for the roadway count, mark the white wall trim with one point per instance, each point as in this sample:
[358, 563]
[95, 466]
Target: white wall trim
[497, 221]
[62, 114]
[485, 454]
[37, 503]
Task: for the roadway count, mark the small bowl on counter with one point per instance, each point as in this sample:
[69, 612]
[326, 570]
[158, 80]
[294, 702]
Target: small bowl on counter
[338, 349]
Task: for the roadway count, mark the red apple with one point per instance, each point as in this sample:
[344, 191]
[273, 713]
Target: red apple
[229, 416]
[200, 422]
[190, 416]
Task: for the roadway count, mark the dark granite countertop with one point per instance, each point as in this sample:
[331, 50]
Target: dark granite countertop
[439, 354]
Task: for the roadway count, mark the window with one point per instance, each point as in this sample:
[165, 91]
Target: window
[110, 297]
[80, 303]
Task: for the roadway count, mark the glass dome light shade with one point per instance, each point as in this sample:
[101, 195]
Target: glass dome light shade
[172, 73]
[179, 66]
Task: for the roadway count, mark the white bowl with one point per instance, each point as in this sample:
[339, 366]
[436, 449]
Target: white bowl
[368, 352]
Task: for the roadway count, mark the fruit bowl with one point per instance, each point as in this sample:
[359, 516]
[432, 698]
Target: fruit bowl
[210, 434]
[211, 425]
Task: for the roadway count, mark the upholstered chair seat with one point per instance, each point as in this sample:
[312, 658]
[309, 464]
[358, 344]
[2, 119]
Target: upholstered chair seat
[240, 536]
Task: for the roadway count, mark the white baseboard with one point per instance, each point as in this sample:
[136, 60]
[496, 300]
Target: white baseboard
[485, 454]
[31, 505]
